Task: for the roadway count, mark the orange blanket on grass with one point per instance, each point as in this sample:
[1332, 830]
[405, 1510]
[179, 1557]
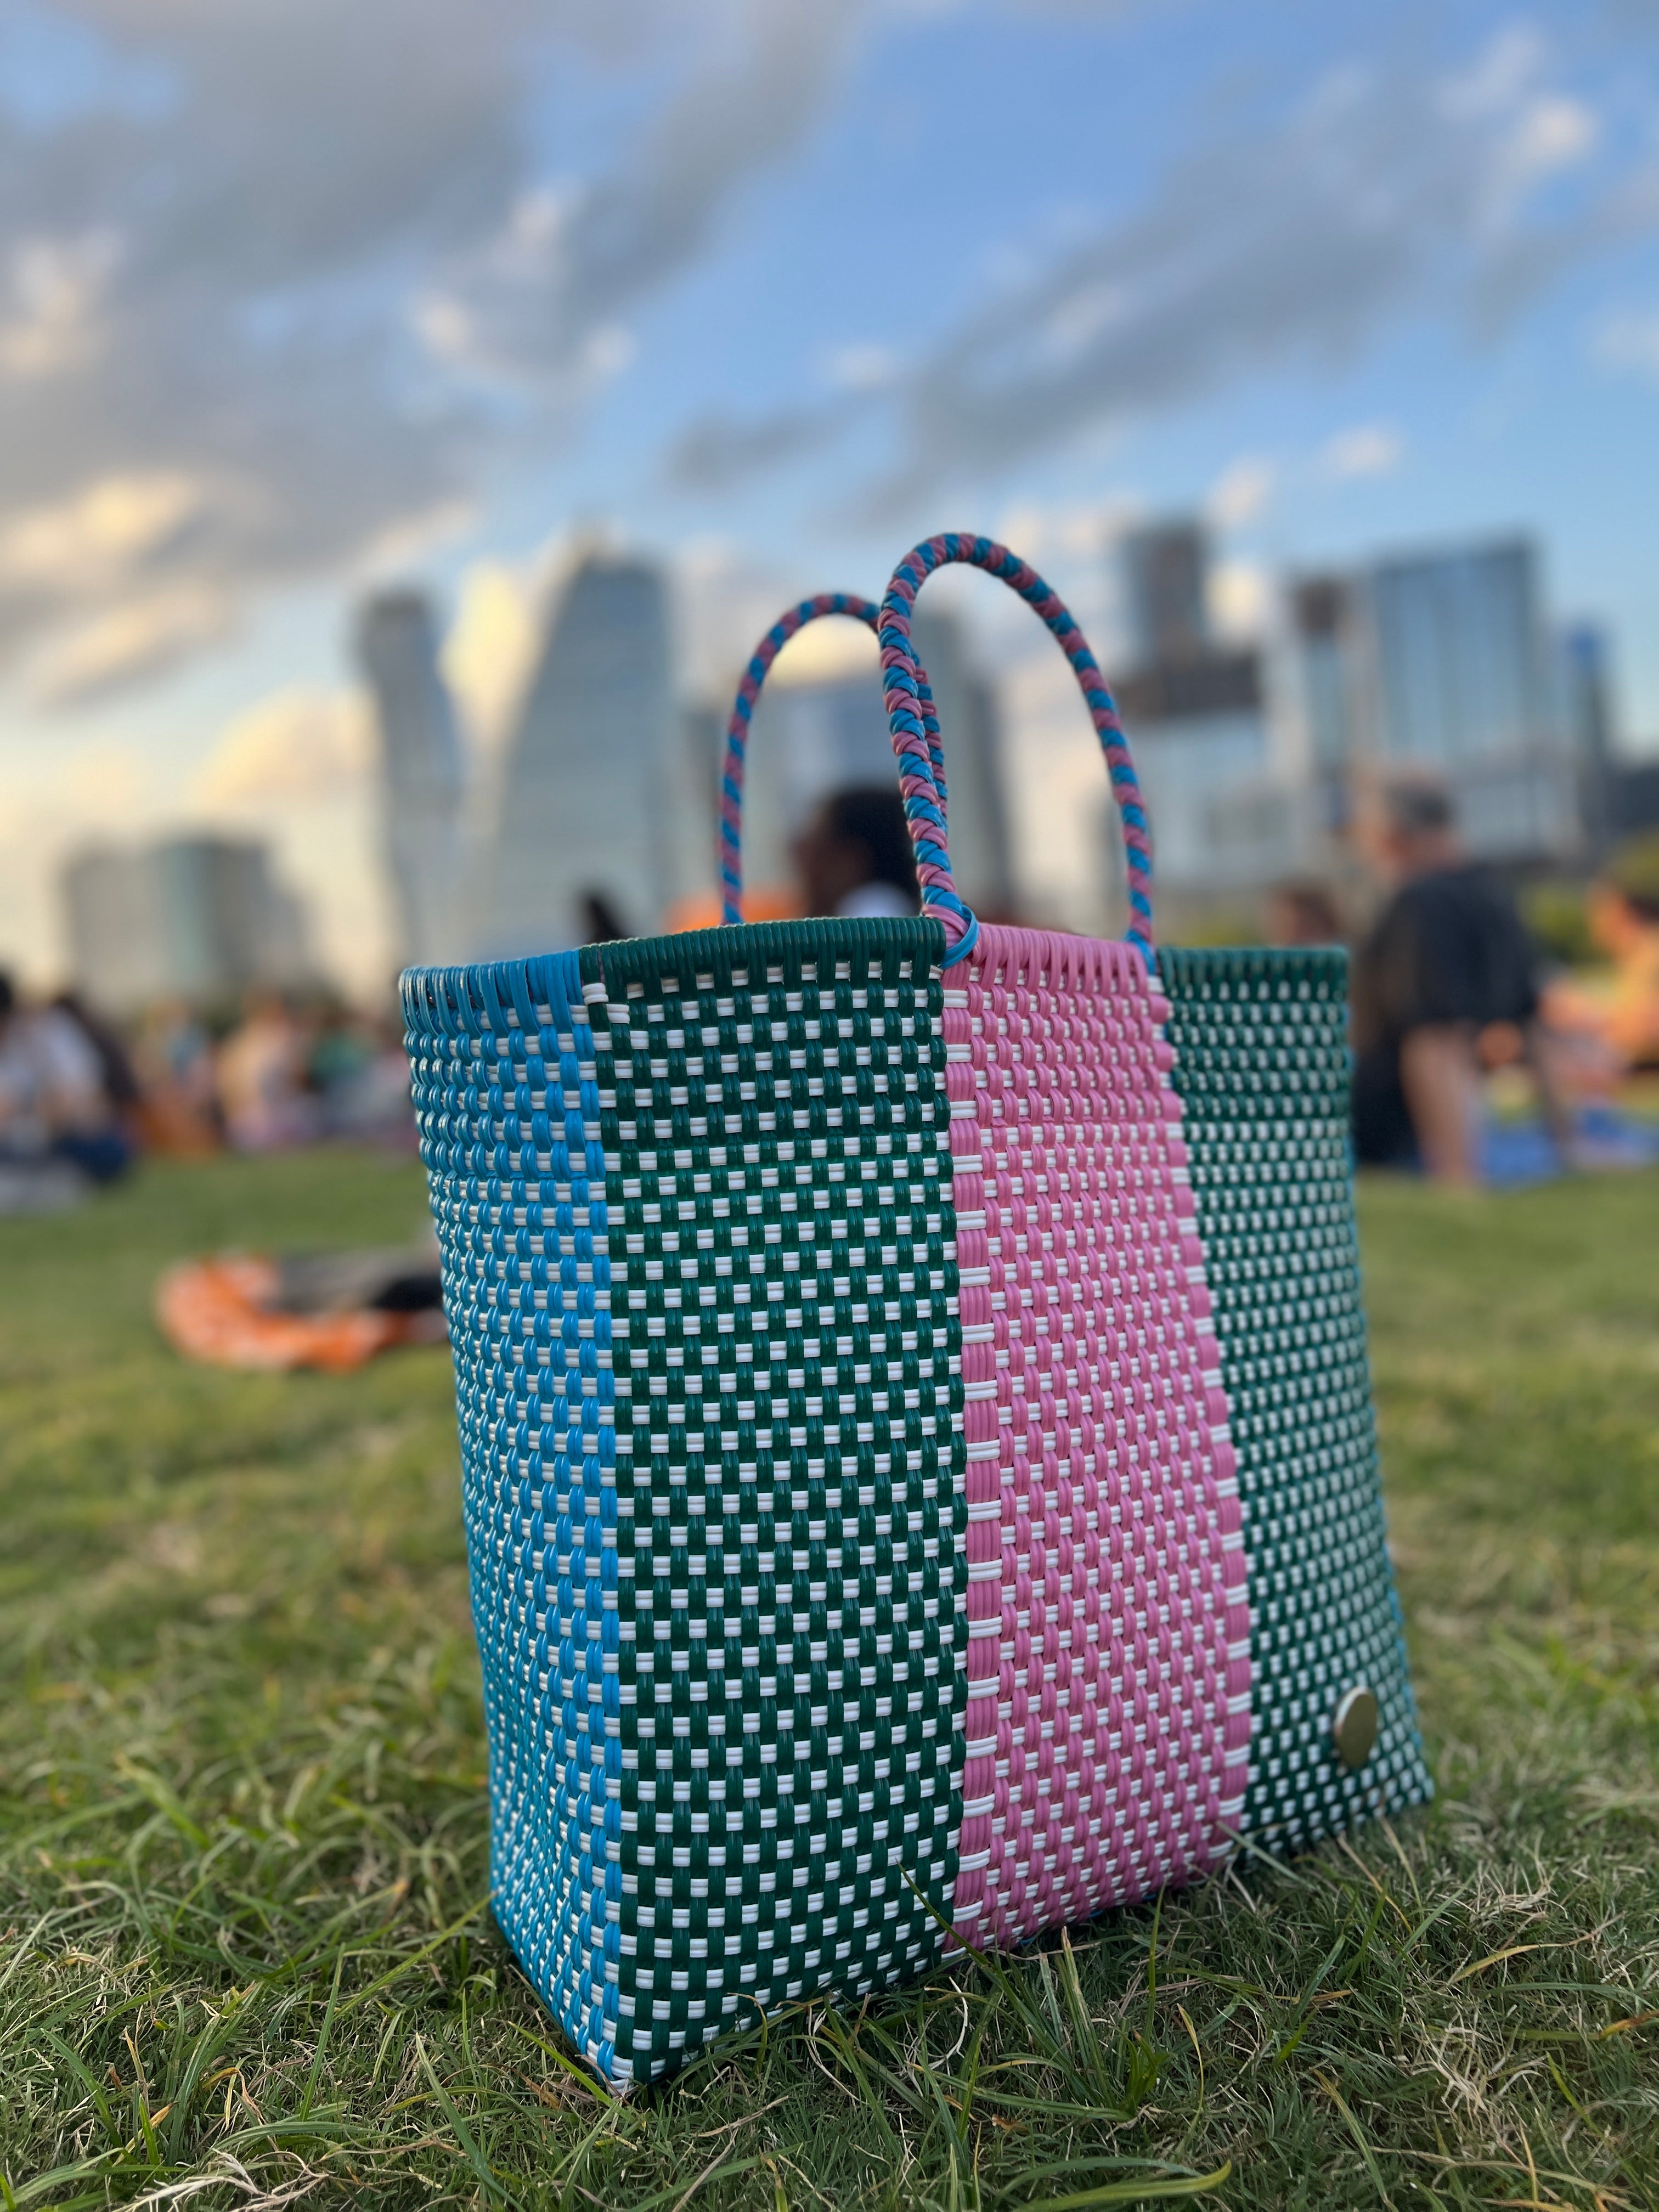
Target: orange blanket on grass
[222, 1311]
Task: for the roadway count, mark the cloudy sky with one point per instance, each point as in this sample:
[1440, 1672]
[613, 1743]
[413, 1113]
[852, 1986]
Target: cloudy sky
[297, 296]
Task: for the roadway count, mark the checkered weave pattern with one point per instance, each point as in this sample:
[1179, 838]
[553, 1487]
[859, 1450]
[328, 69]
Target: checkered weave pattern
[1261, 1067]
[1107, 1640]
[506, 1098]
[693, 1201]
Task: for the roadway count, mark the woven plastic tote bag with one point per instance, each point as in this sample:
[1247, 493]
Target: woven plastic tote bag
[854, 1531]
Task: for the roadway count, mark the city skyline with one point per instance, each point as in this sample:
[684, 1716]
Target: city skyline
[594, 812]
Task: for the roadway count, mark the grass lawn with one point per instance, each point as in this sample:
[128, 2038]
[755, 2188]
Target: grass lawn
[246, 1956]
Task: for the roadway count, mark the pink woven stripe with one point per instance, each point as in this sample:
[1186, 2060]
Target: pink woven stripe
[1108, 1670]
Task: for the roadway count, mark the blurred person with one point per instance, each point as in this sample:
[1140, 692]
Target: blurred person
[600, 919]
[1607, 1024]
[261, 1073]
[54, 1108]
[173, 1053]
[1448, 962]
[361, 1070]
[342, 1047]
[119, 1077]
[1303, 912]
[1624, 919]
[853, 857]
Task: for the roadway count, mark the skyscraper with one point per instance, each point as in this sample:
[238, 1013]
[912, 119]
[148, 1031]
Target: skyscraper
[114, 928]
[691, 788]
[971, 723]
[421, 777]
[1460, 663]
[1442, 660]
[1162, 567]
[197, 918]
[1224, 820]
[583, 810]
[1329, 659]
[1584, 710]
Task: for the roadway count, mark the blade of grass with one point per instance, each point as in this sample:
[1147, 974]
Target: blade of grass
[1134, 2192]
[1355, 2129]
[417, 1958]
[474, 2157]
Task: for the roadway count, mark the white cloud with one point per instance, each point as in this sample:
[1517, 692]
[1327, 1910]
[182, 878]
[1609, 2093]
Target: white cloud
[1242, 491]
[1288, 239]
[407, 539]
[100, 533]
[328, 269]
[133, 637]
[1240, 600]
[300, 747]
[540, 300]
[51, 319]
[1067, 531]
[1538, 131]
[824, 651]
[1552, 132]
[865, 367]
[1629, 344]
[1369, 449]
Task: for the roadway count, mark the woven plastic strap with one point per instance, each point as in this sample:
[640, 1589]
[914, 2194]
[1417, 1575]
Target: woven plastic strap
[924, 802]
[1107, 1717]
[729, 846]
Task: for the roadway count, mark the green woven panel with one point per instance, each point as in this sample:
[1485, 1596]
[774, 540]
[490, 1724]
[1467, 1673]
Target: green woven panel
[1261, 1067]
[791, 1560]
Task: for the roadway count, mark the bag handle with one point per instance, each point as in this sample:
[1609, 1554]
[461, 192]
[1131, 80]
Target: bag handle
[729, 850]
[916, 744]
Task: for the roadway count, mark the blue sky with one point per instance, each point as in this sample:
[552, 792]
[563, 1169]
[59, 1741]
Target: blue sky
[293, 298]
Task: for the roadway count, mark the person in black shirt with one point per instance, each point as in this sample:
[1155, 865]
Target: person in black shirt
[1447, 959]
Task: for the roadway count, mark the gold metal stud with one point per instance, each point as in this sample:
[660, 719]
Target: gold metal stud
[1355, 1726]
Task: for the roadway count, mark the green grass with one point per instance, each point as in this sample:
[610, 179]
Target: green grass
[247, 1954]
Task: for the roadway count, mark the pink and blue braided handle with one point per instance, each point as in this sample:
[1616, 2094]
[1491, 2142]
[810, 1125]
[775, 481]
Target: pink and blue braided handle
[916, 733]
[737, 729]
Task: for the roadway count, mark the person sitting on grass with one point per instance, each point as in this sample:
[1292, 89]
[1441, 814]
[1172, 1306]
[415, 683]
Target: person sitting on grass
[1624, 918]
[55, 1109]
[1448, 960]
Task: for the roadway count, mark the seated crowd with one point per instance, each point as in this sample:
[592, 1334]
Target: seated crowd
[80, 1099]
[1446, 988]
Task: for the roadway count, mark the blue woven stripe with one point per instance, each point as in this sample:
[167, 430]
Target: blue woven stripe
[509, 1049]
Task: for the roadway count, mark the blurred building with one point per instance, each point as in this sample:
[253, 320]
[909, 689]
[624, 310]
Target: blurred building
[111, 901]
[1225, 818]
[194, 918]
[1632, 800]
[422, 780]
[691, 785]
[1443, 661]
[825, 734]
[1162, 571]
[584, 813]
[1619, 798]
[971, 723]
